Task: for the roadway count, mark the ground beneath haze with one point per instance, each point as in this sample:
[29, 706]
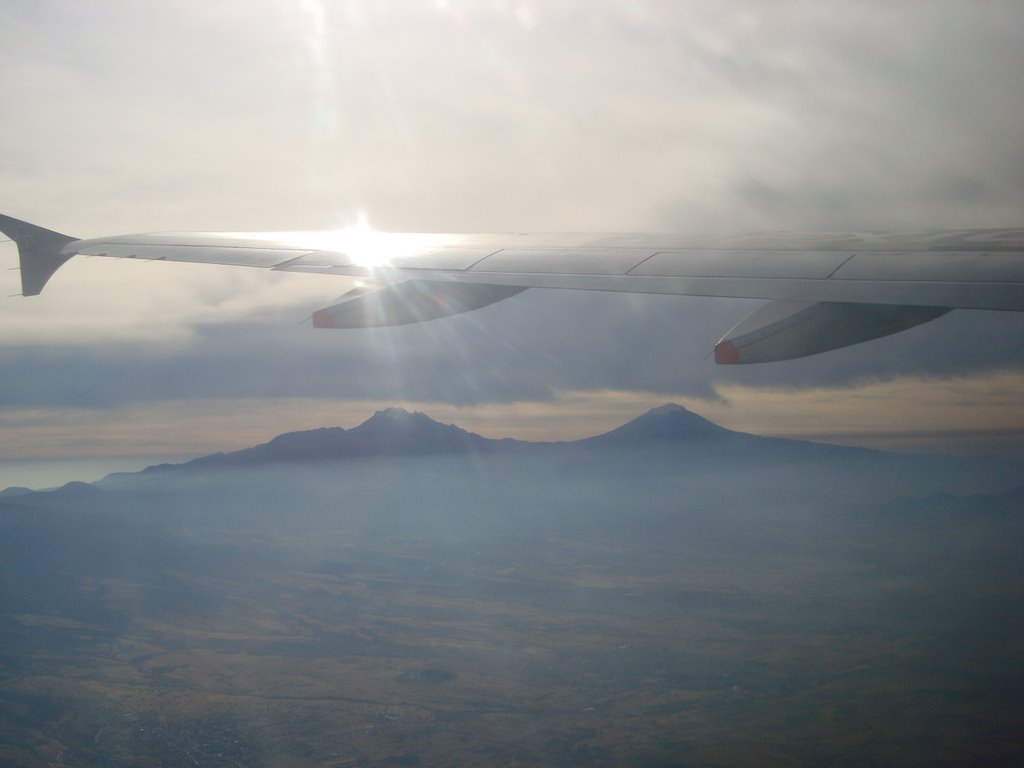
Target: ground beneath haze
[495, 610]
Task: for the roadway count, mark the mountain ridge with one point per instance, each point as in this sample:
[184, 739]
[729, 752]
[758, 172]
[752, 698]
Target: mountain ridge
[668, 438]
[395, 431]
[389, 431]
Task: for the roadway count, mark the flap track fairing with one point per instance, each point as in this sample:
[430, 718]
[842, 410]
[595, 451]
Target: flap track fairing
[784, 330]
[412, 301]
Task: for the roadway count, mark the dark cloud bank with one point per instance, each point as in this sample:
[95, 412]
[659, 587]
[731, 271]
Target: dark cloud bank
[526, 348]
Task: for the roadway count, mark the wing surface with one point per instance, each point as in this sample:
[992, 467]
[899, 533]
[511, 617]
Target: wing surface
[977, 269]
[417, 276]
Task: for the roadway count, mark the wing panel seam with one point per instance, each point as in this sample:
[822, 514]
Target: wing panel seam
[478, 261]
[641, 263]
[841, 265]
[288, 262]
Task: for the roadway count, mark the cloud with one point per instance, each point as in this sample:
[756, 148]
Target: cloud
[103, 301]
[532, 347]
[980, 413]
[594, 115]
[528, 347]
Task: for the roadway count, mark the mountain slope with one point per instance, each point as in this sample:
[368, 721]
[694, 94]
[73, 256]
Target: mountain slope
[391, 431]
[666, 423]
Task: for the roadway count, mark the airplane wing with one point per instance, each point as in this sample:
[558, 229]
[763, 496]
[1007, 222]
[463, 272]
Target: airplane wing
[826, 290]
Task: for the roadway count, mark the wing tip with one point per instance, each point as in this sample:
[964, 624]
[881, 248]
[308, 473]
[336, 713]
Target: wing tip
[41, 252]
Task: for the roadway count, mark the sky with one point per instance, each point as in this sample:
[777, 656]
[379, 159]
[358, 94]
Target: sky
[488, 116]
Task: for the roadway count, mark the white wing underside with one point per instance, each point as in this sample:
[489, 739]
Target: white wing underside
[827, 289]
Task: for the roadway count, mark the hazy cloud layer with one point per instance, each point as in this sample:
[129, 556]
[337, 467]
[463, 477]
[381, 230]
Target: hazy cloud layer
[493, 116]
[530, 347]
[980, 413]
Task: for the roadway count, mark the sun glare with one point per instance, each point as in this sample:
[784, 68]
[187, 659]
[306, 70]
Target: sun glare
[368, 247]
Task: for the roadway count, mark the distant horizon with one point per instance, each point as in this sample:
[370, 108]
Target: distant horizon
[42, 472]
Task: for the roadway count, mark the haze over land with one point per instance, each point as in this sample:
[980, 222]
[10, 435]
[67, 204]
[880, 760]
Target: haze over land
[406, 592]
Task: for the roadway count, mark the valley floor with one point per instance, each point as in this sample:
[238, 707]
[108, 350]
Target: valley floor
[885, 642]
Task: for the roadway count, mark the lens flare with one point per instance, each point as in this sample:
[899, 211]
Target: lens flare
[367, 247]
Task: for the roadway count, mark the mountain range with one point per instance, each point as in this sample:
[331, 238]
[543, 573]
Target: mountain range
[398, 432]
[669, 441]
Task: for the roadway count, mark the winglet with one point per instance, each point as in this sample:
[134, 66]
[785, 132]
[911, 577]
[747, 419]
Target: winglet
[41, 252]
